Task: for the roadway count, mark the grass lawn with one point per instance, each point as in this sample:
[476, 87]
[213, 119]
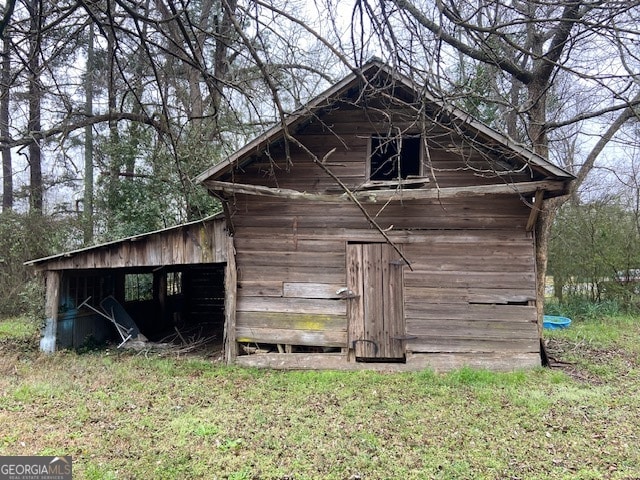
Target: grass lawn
[124, 416]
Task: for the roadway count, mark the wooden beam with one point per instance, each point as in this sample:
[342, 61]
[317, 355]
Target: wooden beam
[535, 210]
[53, 281]
[230, 301]
[520, 188]
[439, 362]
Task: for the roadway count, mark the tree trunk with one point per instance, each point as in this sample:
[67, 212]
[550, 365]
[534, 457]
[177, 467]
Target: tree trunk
[542, 237]
[7, 167]
[88, 144]
[114, 160]
[538, 136]
[537, 98]
[36, 187]
[512, 115]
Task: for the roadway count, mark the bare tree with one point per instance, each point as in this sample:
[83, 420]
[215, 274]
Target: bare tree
[39, 38]
[532, 47]
[182, 75]
[201, 70]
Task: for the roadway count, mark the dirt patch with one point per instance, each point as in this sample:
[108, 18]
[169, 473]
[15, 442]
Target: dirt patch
[577, 359]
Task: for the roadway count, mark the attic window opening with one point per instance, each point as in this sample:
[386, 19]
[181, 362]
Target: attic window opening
[395, 158]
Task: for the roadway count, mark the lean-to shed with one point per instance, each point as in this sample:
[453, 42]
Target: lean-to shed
[375, 227]
[164, 279]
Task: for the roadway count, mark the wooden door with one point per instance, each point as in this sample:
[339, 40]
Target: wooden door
[376, 314]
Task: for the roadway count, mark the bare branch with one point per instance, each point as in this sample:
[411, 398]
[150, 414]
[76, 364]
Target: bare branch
[65, 130]
[624, 116]
[505, 64]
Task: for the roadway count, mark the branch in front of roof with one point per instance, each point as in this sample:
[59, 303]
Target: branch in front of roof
[374, 196]
[354, 199]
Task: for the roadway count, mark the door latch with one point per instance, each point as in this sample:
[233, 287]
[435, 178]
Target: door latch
[344, 292]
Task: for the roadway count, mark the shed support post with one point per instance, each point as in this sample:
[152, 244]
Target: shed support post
[535, 210]
[230, 291]
[52, 299]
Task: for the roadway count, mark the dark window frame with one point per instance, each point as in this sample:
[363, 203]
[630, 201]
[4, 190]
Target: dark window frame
[174, 283]
[138, 287]
[79, 287]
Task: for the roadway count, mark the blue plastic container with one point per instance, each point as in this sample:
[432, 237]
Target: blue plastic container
[552, 322]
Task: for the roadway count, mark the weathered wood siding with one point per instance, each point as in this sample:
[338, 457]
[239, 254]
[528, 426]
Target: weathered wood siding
[471, 285]
[471, 292]
[467, 290]
[189, 244]
[448, 162]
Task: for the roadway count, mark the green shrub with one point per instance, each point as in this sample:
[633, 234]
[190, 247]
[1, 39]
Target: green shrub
[25, 237]
[581, 308]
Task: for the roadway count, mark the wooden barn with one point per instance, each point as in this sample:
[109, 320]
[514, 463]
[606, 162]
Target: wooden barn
[373, 228]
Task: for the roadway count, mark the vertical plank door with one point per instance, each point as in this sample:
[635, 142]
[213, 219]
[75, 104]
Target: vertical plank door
[376, 314]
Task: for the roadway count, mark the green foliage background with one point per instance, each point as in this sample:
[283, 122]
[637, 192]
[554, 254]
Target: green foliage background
[594, 253]
[25, 237]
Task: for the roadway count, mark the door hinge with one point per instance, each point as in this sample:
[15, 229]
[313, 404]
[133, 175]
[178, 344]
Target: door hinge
[404, 337]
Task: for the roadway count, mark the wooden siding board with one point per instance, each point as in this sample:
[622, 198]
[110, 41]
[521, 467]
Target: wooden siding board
[409, 238]
[319, 338]
[373, 302]
[264, 288]
[302, 214]
[496, 280]
[219, 240]
[469, 243]
[441, 344]
[288, 259]
[471, 327]
[53, 284]
[293, 273]
[470, 333]
[312, 290]
[434, 295]
[393, 303]
[293, 321]
[255, 240]
[420, 310]
[273, 207]
[501, 361]
[481, 263]
[291, 305]
[330, 221]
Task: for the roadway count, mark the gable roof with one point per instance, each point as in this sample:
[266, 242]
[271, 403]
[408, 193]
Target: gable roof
[374, 67]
